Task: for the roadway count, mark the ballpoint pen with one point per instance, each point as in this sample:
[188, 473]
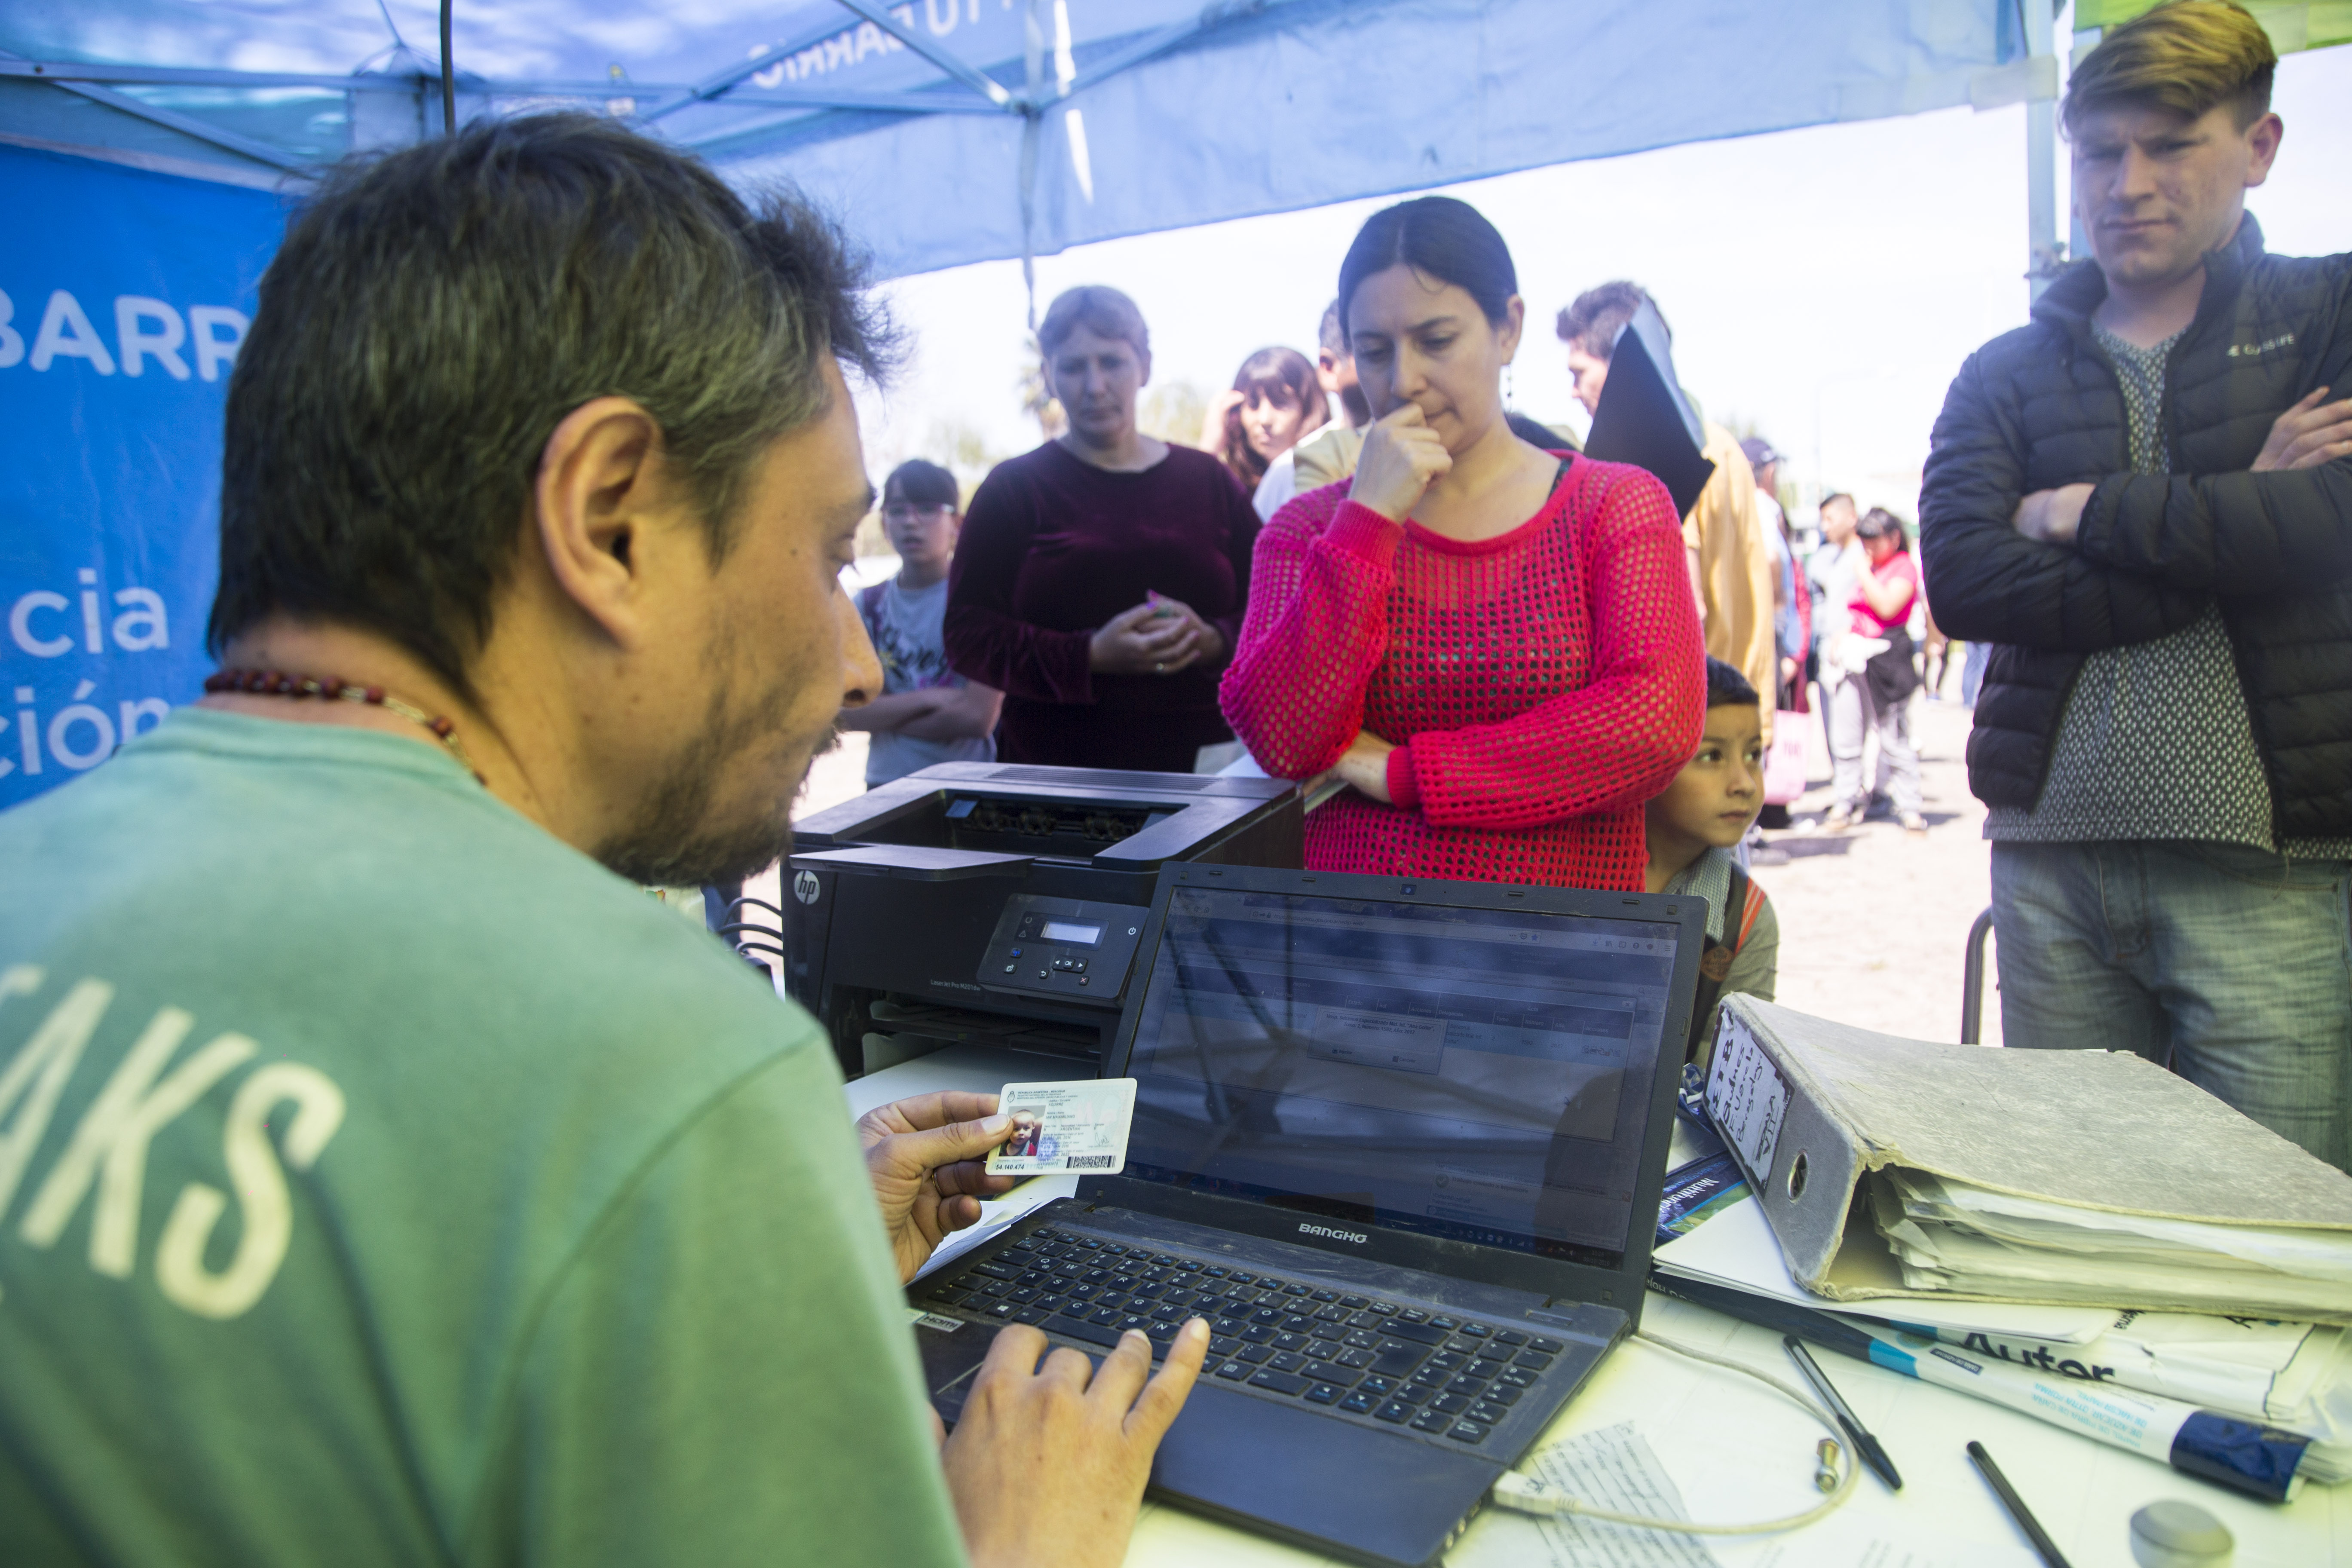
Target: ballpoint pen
[2017, 1509]
[1867, 1445]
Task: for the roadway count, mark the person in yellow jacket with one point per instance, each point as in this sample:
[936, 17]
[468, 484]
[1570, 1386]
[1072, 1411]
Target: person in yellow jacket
[1731, 567]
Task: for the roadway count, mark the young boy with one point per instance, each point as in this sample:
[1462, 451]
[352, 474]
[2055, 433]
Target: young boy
[927, 712]
[1692, 829]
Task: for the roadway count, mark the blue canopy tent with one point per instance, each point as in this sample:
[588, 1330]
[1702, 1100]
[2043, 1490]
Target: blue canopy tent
[1032, 124]
[147, 148]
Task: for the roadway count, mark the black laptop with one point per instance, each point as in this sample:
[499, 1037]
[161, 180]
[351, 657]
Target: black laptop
[1402, 1143]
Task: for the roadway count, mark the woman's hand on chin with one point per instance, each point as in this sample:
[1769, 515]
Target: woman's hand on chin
[1403, 456]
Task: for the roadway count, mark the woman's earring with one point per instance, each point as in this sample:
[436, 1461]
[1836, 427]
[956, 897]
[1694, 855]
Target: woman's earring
[1511, 399]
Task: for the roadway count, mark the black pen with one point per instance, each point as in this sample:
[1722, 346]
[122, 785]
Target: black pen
[2017, 1509]
[1864, 1445]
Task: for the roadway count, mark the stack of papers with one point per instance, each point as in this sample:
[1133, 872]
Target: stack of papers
[1949, 1235]
[2294, 1375]
[1736, 1248]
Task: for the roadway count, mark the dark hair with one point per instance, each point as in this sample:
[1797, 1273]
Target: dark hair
[920, 482]
[2189, 57]
[1263, 371]
[1834, 495]
[1331, 334]
[1726, 688]
[1099, 309]
[1878, 522]
[1439, 238]
[435, 313]
[1595, 317]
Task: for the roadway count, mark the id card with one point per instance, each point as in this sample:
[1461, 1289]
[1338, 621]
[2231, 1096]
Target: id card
[1079, 1128]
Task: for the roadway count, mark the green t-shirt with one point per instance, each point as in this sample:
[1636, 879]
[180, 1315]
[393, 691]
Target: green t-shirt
[383, 1182]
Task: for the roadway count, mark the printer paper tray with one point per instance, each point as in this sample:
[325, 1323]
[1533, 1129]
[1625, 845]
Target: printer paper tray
[918, 863]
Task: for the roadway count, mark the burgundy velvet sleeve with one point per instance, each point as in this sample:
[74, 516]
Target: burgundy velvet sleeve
[1314, 633]
[1612, 743]
[986, 641]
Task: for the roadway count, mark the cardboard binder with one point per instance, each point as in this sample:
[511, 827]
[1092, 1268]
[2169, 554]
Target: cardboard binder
[1812, 1108]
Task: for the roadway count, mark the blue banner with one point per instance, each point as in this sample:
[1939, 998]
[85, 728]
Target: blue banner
[123, 297]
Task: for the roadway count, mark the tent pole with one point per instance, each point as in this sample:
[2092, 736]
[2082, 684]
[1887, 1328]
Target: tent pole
[448, 77]
[185, 124]
[1032, 122]
[2078, 238]
[2045, 257]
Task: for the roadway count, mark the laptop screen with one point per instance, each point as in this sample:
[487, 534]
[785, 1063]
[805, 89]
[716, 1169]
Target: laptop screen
[1475, 1074]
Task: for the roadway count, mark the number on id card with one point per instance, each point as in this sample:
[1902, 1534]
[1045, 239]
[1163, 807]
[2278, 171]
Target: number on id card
[1079, 1128]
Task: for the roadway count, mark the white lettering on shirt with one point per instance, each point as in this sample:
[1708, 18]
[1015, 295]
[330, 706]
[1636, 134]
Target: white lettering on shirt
[52, 1052]
[109, 1147]
[108, 1150]
[260, 1184]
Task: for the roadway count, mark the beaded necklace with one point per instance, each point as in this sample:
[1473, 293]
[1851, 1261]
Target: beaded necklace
[273, 683]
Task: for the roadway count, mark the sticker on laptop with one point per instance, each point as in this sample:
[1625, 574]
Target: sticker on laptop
[1079, 1128]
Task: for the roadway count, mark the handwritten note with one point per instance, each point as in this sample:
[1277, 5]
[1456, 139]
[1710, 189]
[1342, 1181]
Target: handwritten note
[1748, 1099]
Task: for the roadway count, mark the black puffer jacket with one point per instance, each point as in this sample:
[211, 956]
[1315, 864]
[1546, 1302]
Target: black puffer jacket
[2040, 407]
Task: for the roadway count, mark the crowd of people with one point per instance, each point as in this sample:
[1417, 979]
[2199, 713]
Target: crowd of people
[1371, 569]
[498, 1214]
[1374, 570]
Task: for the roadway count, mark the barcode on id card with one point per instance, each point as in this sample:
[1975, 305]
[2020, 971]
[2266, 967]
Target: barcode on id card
[1089, 1162]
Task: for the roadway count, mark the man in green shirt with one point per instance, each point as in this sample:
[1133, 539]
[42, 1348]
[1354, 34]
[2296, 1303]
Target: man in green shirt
[385, 1180]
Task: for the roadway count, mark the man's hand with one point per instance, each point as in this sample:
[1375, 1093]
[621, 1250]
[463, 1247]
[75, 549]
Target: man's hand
[2307, 435]
[1402, 458]
[2053, 516]
[1047, 1464]
[925, 1158]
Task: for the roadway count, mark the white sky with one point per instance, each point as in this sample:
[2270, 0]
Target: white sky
[1824, 283]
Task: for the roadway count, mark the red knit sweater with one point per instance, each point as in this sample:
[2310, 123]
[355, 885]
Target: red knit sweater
[1539, 685]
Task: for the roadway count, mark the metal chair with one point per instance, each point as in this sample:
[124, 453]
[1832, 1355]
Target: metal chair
[1972, 973]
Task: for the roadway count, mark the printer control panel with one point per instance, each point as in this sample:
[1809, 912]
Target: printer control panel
[1069, 948]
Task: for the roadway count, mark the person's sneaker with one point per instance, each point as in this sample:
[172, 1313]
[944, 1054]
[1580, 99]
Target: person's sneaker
[1840, 818]
[1914, 824]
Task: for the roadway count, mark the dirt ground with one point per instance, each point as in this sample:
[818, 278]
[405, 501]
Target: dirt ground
[1873, 924]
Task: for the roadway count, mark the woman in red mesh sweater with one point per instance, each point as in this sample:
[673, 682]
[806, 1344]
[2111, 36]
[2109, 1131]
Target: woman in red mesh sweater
[1493, 644]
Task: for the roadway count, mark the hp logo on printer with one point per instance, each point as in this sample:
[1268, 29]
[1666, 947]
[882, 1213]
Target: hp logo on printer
[1334, 1234]
[804, 886]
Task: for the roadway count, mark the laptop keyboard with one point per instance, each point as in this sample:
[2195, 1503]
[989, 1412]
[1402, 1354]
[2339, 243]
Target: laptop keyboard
[1380, 1361]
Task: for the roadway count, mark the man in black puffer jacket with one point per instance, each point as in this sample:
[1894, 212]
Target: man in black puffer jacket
[2144, 501]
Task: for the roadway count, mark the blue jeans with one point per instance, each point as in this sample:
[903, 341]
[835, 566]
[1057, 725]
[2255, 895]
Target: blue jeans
[2231, 966]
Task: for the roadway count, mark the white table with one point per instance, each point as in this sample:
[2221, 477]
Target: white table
[1739, 1452]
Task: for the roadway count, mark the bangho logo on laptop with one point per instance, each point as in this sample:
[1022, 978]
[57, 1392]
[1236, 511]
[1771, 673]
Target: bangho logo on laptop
[1325, 1230]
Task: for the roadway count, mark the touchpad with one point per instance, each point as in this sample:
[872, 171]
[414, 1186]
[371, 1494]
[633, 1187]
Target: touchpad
[1283, 1468]
[952, 1351]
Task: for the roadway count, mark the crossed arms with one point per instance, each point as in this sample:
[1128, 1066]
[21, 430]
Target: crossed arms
[2125, 558]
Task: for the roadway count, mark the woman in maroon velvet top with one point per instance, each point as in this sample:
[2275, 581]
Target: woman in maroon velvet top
[1099, 580]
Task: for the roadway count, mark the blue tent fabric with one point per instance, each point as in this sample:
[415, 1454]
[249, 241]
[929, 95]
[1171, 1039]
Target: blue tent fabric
[123, 295]
[1322, 100]
[907, 116]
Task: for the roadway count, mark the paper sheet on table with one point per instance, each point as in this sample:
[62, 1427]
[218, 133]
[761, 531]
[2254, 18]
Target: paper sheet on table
[1737, 1248]
[997, 1213]
[1613, 1468]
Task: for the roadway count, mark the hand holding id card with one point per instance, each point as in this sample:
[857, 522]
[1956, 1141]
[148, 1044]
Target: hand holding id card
[1079, 1128]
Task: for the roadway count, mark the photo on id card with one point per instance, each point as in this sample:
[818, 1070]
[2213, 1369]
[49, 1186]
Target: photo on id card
[1079, 1128]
